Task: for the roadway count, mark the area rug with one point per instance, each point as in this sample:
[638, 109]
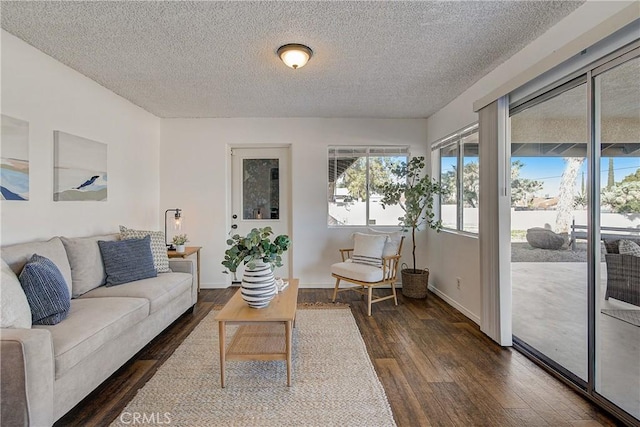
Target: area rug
[629, 316]
[333, 381]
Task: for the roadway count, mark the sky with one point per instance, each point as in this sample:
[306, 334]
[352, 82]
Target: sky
[549, 171]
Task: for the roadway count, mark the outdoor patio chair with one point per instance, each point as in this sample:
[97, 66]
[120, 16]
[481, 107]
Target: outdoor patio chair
[371, 263]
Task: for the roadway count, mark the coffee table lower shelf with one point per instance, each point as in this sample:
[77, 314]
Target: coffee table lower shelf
[261, 341]
[258, 342]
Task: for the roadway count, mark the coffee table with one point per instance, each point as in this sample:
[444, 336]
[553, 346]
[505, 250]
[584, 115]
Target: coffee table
[264, 333]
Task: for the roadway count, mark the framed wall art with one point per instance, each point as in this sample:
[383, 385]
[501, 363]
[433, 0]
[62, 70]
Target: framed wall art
[80, 168]
[14, 165]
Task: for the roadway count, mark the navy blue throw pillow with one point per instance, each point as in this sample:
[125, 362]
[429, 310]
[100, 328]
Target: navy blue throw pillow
[46, 291]
[127, 260]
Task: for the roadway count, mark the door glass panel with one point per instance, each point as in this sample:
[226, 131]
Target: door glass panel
[618, 290]
[549, 276]
[260, 189]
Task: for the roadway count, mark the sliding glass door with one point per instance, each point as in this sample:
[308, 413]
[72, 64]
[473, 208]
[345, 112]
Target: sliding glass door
[575, 230]
[549, 273]
[617, 311]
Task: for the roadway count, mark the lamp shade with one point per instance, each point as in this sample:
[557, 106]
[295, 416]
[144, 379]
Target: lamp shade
[295, 55]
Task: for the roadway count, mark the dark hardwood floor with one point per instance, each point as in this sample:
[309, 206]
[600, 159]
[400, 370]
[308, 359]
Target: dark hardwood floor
[436, 366]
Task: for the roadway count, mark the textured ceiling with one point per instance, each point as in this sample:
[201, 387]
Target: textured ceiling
[217, 59]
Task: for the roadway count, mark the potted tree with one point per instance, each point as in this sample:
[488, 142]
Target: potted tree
[260, 255]
[415, 192]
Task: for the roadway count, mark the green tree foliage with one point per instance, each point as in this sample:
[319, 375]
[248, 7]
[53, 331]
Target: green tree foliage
[624, 196]
[522, 189]
[355, 177]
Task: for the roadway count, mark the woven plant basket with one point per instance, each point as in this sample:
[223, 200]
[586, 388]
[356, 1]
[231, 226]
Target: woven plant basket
[415, 282]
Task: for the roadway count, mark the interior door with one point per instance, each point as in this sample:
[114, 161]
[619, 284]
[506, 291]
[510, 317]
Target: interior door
[260, 195]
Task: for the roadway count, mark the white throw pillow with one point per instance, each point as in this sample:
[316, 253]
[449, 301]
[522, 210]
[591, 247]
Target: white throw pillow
[392, 246]
[628, 247]
[14, 311]
[367, 248]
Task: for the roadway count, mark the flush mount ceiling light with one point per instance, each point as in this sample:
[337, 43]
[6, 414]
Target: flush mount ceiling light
[295, 55]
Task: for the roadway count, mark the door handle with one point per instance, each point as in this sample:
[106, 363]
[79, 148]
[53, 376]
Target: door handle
[234, 216]
[234, 226]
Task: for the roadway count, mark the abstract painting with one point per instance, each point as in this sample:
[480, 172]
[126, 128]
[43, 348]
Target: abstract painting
[14, 151]
[79, 168]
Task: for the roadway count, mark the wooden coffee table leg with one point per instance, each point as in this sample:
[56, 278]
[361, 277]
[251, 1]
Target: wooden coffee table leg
[288, 332]
[222, 331]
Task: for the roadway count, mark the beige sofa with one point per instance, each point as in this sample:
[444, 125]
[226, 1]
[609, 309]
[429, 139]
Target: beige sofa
[47, 370]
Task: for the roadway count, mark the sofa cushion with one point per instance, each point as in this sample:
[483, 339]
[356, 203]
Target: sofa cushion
[356, 271]
[127, 260]
[158, 246]
[46, 291]
[17, 256]
[159, 291]
[85, 260]
[368, 248]
[91, 323]
[14, 310]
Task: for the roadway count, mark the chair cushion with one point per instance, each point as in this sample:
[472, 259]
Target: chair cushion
[92, 323]
[367, 248]
[159, 291]
[127, 260]
[14, 308]
[46, 291]
[392, 246]
[355, 271]
[158, 246]
[85, 259]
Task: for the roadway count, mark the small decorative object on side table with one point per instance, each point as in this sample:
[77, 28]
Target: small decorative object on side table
[188, 251]
[179, 240]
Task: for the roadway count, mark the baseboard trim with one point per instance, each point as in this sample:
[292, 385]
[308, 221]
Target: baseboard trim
[453, 303]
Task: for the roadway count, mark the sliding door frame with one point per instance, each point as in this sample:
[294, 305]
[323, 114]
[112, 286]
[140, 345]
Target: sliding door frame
[588, 74]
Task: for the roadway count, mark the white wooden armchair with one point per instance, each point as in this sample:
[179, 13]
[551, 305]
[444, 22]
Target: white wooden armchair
[365, 277]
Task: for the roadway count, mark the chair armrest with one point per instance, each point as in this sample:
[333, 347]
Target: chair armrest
[345, 254]
[28, 370]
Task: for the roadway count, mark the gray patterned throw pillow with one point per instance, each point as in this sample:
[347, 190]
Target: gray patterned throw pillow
[627, 247]
[158, 246]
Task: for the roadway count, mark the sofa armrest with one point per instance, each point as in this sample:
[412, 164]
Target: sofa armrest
[27, 368]
[181, 265]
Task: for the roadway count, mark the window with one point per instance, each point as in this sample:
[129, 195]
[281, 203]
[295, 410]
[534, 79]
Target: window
[459, 206]
[356, 175]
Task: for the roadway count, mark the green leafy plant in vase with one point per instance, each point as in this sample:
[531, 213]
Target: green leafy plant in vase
[261, 255]
[415, 192]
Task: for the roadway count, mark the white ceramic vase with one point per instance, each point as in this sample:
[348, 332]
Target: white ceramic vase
[258, 285]
[180, 249]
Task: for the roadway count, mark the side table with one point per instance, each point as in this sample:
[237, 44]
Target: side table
[188, 251]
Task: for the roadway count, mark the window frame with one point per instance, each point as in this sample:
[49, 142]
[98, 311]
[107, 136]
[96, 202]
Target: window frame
[455, 139]
[366, 151]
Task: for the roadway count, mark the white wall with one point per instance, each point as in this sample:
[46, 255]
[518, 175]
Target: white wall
[51, 96]
[453, 255]
[195, 177]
